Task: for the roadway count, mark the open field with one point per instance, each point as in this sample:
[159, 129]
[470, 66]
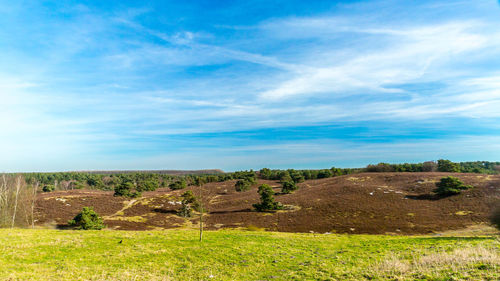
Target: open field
[365, 203]
[242, 255]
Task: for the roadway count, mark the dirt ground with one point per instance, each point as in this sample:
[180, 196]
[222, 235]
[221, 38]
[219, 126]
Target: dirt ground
[375, 203]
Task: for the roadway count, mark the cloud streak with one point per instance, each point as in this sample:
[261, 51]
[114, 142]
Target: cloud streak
[83, 85]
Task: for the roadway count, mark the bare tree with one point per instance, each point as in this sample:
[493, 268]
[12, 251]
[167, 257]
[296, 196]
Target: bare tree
[4, 200]
[18, 187]
[33, 200]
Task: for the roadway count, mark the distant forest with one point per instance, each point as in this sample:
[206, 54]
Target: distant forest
[151, 180]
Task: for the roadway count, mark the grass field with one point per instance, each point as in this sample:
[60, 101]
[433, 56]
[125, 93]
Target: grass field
[242, 255]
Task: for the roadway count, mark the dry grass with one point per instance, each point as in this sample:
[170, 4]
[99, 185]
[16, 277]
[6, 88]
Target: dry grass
[432, 264]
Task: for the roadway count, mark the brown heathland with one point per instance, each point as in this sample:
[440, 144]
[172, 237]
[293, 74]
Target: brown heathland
[373, 203]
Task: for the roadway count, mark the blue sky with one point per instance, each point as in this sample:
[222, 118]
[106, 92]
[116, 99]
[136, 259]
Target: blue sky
[247, 84]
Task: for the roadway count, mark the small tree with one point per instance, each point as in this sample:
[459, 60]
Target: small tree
[242, 185]
[180, 184]
[48, 188]
[450, 186]
[267, 202]
[189, 202]
[148, 185]
[289, 187]
[87, 219]
[448, 166]
[125, 189]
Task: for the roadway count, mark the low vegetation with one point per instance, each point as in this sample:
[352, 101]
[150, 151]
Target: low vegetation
[450, 186]
[189, 202]
[242, 255]
[87, 219]
[288, 187]
[127, 189]
[267, 202]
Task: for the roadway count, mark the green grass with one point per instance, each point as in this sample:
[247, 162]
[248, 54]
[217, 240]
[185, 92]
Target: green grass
[242, 255]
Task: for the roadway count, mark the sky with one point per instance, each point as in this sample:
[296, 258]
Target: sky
[92, 85]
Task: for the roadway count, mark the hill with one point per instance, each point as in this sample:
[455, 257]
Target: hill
[374, 203]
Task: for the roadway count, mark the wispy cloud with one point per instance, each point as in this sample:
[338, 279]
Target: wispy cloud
[94, 83]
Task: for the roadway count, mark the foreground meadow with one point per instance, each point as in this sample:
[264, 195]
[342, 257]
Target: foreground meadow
[242, 255]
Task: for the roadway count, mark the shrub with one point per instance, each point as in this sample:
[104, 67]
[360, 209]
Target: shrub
[448, 166]
[148, 185]
[297, 176]
[48, 188]
[125, 190]
[87, 219]
[189, 202]
[450, 186]
[242, 185]
[323, 174]
[289, 187]
[267, 202]
[181, 184]
[380, 168]
[77, 185]
[495, 216]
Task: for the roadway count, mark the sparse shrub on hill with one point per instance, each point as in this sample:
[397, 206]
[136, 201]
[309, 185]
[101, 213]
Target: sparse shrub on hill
[242, 185]
[450, 186]
[495, 216]
[189, 202]
[48, 188]
[448, 166]
[125, 189]
[180, 184]
[267, 202]
[289, 187]
[87, 219]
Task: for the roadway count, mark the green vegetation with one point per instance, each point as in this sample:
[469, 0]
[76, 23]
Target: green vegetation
[48, 188]
[242, 255]
[450, 186]
[242, 185]
[267, 202]
[189, 202]
[126, 189]
[288, 187]
[448, 166]
[87, 219]
[180, 184]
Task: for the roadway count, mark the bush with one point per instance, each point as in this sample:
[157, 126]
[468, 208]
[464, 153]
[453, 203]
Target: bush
[48, 188]
[448, 166]
[450, 186]
[242, 185]
[267, 202]
[495, 216]
[148, 185]
[77, 185]
[125, 190]
[181, 184]
[289, 187]
[189, 202]
[380, 168]
[87, 219]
